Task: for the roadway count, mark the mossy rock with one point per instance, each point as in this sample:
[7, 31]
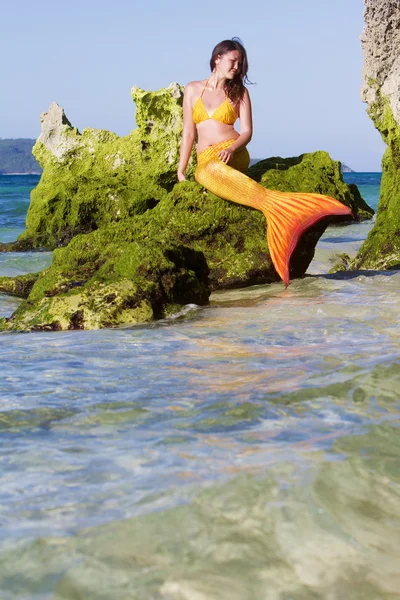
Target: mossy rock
[91, 286]
[381, 249]
[19, 286]
[149, 266]
[95, 178]
[342, 265]
[381, 91]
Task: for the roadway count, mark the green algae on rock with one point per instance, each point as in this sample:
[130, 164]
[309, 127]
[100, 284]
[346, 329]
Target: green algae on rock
[19, 286]
[342, 264]
[381, 249]
[95, 178]
[75, 290]
[148, 266]
[91, 285]
[381, 91]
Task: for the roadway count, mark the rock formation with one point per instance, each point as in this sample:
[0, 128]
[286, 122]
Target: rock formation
[381, 91]
[132, 245]
[95, 178]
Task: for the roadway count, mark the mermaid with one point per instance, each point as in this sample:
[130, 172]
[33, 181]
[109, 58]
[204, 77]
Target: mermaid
[210, 110]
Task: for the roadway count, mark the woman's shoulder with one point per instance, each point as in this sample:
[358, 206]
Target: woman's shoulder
[195, 86]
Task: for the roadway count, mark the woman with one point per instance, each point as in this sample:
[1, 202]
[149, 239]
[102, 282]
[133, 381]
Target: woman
[210, 109]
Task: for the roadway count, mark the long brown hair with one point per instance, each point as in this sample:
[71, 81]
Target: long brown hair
[234, 87]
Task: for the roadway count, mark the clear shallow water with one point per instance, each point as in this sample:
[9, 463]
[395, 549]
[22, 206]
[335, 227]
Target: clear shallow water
[247, 450]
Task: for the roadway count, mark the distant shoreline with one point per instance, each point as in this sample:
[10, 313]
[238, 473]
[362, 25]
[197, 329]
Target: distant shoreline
[16, 157]
[33, 173]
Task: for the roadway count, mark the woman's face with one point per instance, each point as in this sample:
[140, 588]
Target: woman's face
[228, 64]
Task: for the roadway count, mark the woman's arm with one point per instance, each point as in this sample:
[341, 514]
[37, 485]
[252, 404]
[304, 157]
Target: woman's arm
[246, 129]
[189, 132]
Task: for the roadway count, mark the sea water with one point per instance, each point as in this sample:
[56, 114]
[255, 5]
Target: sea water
[245, 450]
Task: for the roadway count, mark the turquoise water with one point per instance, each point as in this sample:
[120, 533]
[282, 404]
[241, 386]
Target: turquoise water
[368, 184]
[246, 450]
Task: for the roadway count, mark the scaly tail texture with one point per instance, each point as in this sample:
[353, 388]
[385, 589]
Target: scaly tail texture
[288, 215]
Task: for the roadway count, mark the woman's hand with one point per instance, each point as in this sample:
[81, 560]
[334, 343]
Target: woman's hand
[226, 155]
[181, 176]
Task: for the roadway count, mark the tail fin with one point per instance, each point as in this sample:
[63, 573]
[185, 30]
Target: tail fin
[288, 216]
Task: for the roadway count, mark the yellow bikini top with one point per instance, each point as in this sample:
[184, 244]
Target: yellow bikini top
[224, 113]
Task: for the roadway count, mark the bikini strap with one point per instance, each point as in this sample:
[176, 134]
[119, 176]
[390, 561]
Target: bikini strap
[204, 88]
[201, 95]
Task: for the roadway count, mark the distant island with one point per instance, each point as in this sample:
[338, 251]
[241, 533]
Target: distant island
[16, 157]
[346, 169]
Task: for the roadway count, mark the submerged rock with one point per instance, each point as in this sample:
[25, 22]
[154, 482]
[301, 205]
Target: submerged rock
[381, 91]
[132, 245]
[20, 285]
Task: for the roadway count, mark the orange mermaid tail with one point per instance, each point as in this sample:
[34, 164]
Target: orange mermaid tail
[288, 215]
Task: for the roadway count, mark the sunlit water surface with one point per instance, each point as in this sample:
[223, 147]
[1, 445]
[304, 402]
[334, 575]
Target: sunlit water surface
[247, 450]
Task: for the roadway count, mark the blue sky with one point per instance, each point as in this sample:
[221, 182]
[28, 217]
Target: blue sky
[305, 59]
